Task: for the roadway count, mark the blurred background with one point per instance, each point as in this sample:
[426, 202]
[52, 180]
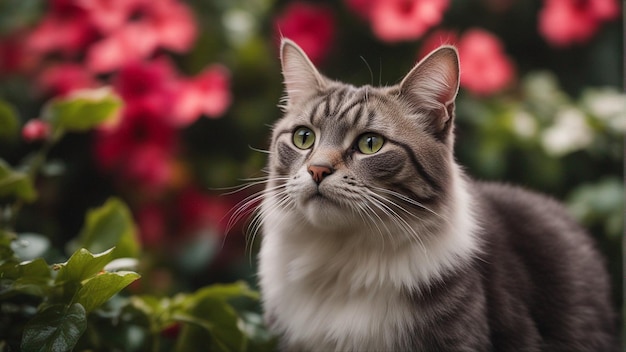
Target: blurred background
[541, 105]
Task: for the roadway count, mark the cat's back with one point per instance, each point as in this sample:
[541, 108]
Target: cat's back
[543, 272]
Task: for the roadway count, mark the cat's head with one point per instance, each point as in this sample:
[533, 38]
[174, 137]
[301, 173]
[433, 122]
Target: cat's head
[343, 154]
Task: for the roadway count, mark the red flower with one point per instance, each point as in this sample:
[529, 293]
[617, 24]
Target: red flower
[396, 20]
[65, 29]
[565, 22]
[131, 43]
[63, 79]
[14, 57]
[150, 167]
[152, 225]
[108, 15]
[312, 27]
[199, 210]
[485, 69]
[208, 94]
[155, 24]
[35, 130]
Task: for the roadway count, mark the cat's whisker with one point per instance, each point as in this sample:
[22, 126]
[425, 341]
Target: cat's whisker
[247, 205]
[398, 219]
[260, 150]
[411, 201]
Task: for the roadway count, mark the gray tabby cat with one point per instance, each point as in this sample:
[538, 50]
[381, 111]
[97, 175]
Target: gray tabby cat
[375, 240]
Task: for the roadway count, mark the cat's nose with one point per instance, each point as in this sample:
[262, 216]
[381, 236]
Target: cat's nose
[318, 172]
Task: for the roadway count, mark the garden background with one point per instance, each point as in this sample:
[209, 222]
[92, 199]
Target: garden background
[146, 114]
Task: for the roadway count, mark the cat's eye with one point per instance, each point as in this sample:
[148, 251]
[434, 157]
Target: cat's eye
[370, 143]
[303, 138]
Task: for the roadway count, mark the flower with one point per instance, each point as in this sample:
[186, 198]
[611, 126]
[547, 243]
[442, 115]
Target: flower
[565, 22]
[140, 150]
[64, 78]
[35, 130]
[135, 29]
[64, 29]
[198, 210]
[208, 94]
[131, 43]
[14, 57]
[485, 69]
[570, 133]
[397, 20]
[151, 220]
[312, 27]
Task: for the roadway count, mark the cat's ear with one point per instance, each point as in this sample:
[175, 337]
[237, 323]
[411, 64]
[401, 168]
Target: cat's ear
[431, 87]
[301, 78]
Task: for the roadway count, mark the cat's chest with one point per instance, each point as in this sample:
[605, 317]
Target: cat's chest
[313, 301]
[333, 318]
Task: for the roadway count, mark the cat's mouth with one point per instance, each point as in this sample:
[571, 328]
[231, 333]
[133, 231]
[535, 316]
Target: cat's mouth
[319, 197]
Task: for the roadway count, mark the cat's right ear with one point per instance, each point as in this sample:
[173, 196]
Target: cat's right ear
[301, 78]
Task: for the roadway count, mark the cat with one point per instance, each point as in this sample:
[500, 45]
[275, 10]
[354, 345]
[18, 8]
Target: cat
[374, 239]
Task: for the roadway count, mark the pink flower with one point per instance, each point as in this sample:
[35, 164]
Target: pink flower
[173, 23]
[396, 20]
[485, 69]
[64, 29]
[108, 15]
[149, 166]
[164, 24]
[35, 130]
[130, 43]
[565, 22]
[311, 26]
[148, 86]
[65, 78]
[208, 94]
[139, 126]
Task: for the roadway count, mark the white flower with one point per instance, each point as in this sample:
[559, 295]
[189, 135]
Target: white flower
[608, 105]
[569, 133]
[524, 124]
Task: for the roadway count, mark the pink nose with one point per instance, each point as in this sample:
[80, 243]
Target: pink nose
[318, 172]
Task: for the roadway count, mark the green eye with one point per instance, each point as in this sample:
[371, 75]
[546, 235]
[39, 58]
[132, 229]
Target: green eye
[370, 143]
[303, 138]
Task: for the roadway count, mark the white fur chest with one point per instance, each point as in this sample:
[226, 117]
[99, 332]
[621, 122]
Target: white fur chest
[317, 303]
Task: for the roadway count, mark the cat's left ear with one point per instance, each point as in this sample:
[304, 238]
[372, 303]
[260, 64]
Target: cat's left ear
[301, 78]
[431, 87]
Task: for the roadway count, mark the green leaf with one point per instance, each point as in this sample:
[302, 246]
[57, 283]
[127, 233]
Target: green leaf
[216, 317]
[83, 265]
[208, 310]
[226, 292]
[83, 110]
[57, 328]
[109, 226]
[30, 277]
[9, 124]
[17, 184]
[101, 288]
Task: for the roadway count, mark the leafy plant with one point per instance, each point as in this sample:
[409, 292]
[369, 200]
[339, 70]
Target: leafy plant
[74, 304]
